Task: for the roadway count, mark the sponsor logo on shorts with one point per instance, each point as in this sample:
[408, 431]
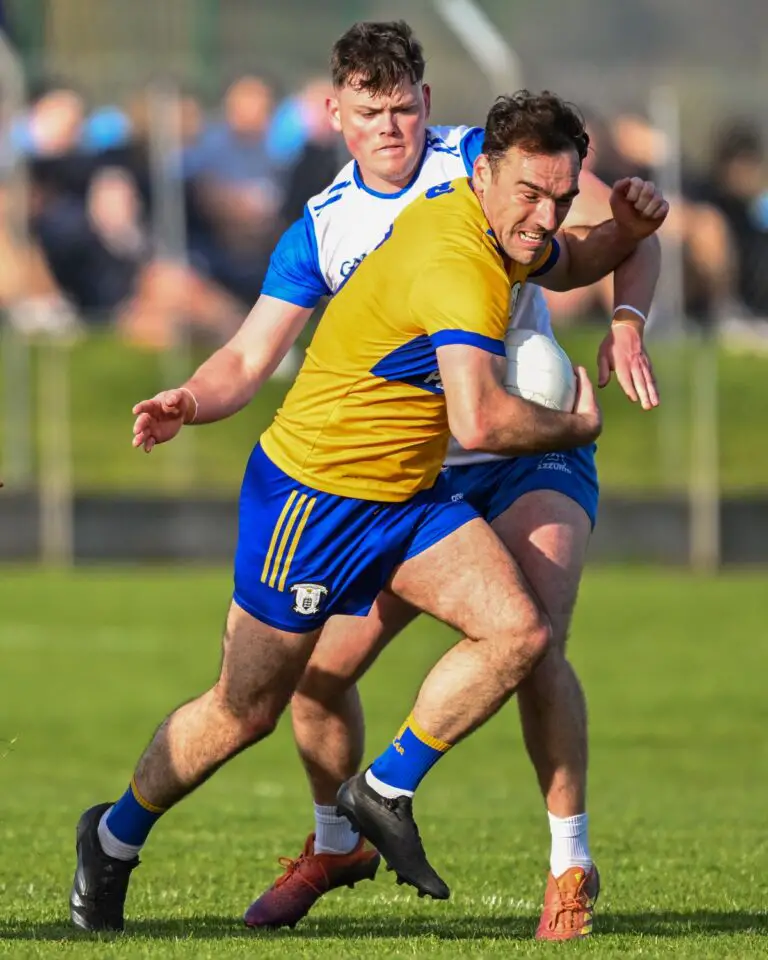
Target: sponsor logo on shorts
[308, 597]
[456, 497]
[554, 461]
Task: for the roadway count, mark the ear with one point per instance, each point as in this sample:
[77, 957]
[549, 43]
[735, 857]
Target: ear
[427, 92]
[334, 113]
[481, 171]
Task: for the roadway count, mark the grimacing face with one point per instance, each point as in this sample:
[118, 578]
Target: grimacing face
[384, 133]
[526, 198]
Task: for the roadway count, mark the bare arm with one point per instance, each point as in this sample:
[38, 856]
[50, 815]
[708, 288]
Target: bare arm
[634, 283]
[483, 416]
[635, 278]
[590, 251]
[228, 380]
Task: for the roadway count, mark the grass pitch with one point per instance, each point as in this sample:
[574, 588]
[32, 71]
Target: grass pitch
[675, 674]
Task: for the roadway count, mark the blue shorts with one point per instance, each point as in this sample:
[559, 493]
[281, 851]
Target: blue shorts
[304, 555]
[493, 486]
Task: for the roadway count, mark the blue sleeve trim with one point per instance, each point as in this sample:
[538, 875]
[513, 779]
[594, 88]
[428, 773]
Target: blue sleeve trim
[445, 337]
[294, 273]
[471, 147]
[554, 256]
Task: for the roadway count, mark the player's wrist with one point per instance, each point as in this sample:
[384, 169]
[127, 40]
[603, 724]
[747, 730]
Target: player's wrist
[190, 406]
[629, 316]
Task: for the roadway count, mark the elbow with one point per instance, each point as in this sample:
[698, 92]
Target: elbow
[470, 430]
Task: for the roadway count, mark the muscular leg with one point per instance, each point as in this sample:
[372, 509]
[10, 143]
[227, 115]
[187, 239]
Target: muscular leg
[260, 669]
[327, 715]
[548, 534]
[470, 581]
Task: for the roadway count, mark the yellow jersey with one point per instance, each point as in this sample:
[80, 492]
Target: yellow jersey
[366, 417]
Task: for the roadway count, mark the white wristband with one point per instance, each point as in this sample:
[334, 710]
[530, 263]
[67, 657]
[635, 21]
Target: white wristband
[194, 400]
[626, 306]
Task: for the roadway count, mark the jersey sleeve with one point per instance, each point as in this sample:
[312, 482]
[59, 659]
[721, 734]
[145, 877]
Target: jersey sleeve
[294, 273]
[546, 261]
[471, 147]
[461, 301]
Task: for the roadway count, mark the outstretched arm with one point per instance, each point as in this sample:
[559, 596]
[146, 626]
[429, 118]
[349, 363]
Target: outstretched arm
[622, 350]
[587, 254]
[228, 379]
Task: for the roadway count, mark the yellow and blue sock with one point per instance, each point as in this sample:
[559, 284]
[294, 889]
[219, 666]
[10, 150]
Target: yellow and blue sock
[406, 761]
[124, 828]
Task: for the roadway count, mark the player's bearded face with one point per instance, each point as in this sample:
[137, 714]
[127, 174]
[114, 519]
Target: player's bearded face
[526, 197]
[384, 132]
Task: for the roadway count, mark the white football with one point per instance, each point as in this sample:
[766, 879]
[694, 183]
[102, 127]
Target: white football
[538, 369]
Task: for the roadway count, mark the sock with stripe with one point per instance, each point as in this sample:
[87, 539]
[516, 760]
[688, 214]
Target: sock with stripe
[125, 827]
[406, 761]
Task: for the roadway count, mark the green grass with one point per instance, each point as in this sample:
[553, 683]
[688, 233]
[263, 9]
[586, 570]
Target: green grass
[640, 453]
[675, 673]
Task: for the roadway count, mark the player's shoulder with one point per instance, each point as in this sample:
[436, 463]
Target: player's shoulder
[448, 221]
[447, 137]
[336, 191]
[461, 142]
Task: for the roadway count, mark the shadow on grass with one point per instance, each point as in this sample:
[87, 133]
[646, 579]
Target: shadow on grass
[672, 925]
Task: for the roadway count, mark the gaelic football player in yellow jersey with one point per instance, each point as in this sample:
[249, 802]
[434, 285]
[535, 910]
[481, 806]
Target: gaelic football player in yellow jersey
[307, 551]
[542, 514]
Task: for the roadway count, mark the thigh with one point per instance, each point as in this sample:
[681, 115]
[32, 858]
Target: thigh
[469, 580]
[349, 645]
[260, 664]
[548, 533]
[304, 556]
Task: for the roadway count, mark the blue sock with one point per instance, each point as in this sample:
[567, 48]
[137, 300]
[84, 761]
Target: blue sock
[132, 817]
[408, 759]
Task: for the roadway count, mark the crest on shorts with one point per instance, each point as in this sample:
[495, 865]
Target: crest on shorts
[307, 597]
[514, 293]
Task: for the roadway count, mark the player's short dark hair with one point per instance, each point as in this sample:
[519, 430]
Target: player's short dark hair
[541, 123]
[377, 57]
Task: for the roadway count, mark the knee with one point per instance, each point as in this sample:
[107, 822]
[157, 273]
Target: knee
[249, 721]
[321, 692]
[526, 640]
[537, 638]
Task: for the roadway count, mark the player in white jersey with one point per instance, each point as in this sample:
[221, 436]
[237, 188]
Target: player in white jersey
[542, 510]
[381, 107]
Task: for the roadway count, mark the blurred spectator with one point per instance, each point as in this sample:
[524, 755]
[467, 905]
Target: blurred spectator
[299, 119]
[301, 135]
[236, 190]
[629, 146]
[89, 204]
[738, 187]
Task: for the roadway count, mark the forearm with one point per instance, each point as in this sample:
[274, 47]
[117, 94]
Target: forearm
[516, 427]
[227, 381]
[593, 253]
[221, 386]
[635, 279]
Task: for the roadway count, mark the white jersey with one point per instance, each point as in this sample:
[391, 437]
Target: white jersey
[346, 221]
[531, 313]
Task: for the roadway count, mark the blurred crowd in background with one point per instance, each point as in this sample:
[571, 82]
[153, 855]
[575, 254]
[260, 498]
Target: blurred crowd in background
[242, 173]
[243, 168]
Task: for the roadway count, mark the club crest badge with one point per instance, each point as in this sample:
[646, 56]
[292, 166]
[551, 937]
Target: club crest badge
[308, 597]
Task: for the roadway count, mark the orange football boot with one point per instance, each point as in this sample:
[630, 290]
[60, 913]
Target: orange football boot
[569, 904]
[306, 879]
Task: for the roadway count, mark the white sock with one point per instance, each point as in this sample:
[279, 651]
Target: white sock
[384, 789]
[111, 845]
[333, 834]
[570, 847]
